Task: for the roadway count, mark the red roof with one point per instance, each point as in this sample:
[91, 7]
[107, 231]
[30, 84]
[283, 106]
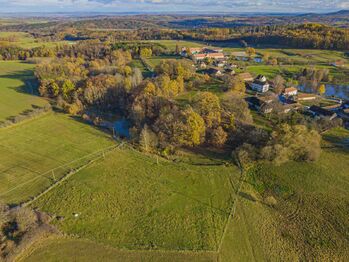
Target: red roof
[215, 55]
[290, 90]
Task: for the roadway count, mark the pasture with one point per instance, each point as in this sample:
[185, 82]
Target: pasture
[84, 250]
[309, 220]
[132, 201]
[17, 89]
[31, 148]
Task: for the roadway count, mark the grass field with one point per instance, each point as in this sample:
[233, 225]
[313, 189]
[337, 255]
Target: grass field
[134, 206]
[83, 250]
[25, 40]
[16, 87]
[156, 60]
[29, 149]
[309, 221]
[129, 201]
[171, 44]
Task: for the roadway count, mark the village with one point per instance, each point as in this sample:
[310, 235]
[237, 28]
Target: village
[260, 91]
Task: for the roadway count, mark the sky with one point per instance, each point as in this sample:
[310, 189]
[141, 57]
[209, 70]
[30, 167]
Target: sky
[169, 6]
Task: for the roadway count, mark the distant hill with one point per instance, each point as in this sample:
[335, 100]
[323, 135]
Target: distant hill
[339, 13]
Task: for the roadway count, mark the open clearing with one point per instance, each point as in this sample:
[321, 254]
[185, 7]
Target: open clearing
[17, 86]
[129, 201]
[29, 149]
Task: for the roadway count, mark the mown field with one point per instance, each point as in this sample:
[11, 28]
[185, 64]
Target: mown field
[17, 85]
[131, 201]
[29, 149]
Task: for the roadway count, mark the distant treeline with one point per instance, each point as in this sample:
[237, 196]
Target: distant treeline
[297, 36]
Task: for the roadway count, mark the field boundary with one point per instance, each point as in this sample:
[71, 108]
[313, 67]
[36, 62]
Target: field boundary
[233, 208]
[101, 154]
[68, 172]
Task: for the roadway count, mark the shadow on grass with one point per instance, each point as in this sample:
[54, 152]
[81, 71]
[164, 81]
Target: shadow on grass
[30, 83]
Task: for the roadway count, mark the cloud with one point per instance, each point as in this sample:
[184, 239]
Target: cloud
[174, 5]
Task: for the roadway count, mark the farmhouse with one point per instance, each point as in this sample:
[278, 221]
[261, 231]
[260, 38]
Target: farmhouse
[259, 105]
[215, 55]
[247, 77]
[201, 57]
[306, 97]
[290, 91]
[241, 56]
[338, 63]
[260, 84]
[322, 113]
[212, 50]
[214, 72]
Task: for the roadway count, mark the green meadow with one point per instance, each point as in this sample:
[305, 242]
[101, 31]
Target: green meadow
[83, 250]
[17, 86]
[25, 40]
[309, 220]
[29, 149]
[136, 202]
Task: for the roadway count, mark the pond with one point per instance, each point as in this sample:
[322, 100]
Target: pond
[121, 128]
[338, 91]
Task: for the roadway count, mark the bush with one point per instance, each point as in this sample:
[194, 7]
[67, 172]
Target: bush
[28, 114]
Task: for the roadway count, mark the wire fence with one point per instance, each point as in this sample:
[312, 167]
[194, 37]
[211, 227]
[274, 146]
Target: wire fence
[53, 176]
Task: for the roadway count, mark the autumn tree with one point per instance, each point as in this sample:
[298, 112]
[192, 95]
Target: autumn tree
[279, 84]
[217, 137]
[322, 89]
[190, 129]
[236, 84]
[146, 52]
[148, 140]
[250, 51]
[208, 106]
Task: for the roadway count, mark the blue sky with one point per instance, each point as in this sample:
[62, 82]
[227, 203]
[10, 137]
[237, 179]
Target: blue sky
[173, 5]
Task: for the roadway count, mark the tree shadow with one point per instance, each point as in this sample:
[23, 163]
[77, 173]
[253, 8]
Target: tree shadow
[30, 83]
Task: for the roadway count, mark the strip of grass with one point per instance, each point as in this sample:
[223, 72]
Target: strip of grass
[129, 201]
[34, 147]
[83, 250]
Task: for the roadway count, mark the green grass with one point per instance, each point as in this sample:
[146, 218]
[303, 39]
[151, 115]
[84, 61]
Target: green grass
[171, 44]
[156, 60]
[129, 201]
[25, 40]
[31, 148]
[16, 87]
[138, 64]
[83, 250]
[309, 221]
